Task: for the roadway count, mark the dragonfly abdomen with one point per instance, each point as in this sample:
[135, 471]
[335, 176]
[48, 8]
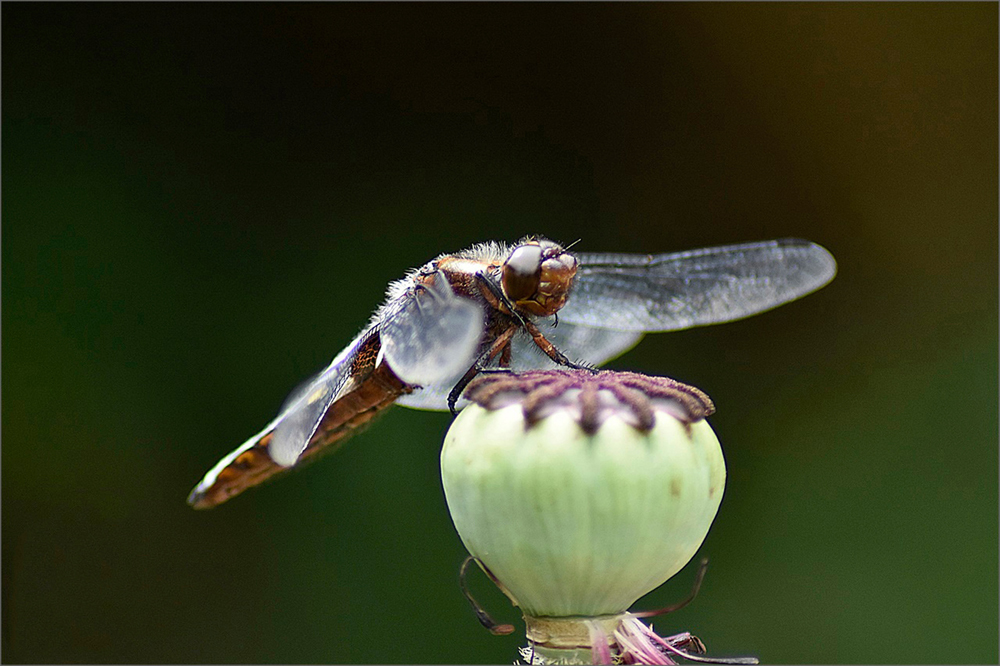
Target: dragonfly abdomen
[353, 411]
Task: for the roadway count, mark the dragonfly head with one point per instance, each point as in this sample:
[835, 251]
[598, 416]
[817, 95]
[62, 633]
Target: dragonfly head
[537, 276]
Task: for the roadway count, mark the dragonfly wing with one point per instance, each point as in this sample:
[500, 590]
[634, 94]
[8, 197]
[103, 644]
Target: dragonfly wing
[306, 407]
[586, 344]
[581, 343]
[432, 397]
[669, 292]
[429, 335]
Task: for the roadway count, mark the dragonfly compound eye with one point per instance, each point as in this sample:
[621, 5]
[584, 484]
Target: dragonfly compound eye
[521, 273]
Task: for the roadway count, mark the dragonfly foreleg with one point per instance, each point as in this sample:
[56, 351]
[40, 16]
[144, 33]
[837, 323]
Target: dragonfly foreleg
[550, 350]
[497, 298]
[540, 340]
[500, 345]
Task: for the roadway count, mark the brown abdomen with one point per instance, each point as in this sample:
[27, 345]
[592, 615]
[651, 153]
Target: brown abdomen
[363, 400]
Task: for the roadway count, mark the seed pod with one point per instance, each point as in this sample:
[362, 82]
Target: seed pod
[581, 492]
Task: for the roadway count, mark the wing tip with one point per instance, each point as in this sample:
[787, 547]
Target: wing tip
[821, 262]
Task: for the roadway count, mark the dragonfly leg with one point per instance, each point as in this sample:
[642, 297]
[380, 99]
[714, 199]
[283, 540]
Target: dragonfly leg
[550, 350]
[505, 355]
[499, 346]
[456, 391]
[543, 343]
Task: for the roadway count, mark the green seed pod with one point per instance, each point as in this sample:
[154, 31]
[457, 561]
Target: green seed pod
[581, 492]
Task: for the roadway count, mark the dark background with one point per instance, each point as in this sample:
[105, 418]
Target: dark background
[203, 203]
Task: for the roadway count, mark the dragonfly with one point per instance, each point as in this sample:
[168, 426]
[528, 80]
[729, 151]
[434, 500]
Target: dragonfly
[494, 306]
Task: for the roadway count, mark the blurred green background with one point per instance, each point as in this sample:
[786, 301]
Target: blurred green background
[203, 203]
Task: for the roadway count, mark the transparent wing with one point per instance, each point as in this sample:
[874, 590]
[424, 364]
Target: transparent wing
[306, 407]
[433, 397]
[580, 343]
[667, 292]
[431, 336]
[586, 344]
